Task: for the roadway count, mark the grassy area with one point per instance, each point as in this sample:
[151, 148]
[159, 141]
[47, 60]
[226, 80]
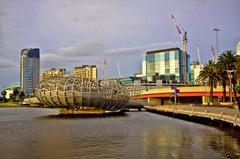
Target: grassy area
[8, 104]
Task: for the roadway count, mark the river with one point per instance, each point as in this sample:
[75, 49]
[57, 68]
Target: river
[35, 133]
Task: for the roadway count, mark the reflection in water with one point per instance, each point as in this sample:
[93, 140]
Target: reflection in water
[227, 145]
[31, 133]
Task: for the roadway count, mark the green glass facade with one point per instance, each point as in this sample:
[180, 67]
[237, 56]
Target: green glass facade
[165, 65]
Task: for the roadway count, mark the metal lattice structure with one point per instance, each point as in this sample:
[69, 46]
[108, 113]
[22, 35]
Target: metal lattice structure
[82, 93]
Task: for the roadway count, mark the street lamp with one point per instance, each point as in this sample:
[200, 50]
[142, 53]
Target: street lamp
[230, 76]
[216, 30]
[207, 94]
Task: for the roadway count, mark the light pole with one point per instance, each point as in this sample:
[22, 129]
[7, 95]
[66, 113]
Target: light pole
[216, 30]
[207, 95]
[230, 76]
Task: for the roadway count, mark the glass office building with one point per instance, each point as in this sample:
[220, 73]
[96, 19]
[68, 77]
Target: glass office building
[29, 70]
[166, 65]
[238, 48]
[196, 67]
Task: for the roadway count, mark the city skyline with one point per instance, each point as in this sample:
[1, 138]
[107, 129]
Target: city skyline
[75, 33]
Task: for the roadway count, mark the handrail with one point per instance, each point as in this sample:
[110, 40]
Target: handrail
[235, 120]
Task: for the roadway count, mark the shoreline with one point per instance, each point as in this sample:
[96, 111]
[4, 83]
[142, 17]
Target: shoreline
[10, 104]
[215, 116]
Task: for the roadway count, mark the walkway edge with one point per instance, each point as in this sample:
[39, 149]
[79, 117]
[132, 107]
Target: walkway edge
[233, 120]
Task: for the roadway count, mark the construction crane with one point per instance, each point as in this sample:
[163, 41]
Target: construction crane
[105, 69]
[119, 73]
[198, 55]
[213, 53]
[183, 35]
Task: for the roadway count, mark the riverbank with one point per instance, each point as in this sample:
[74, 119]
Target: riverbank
[9, 105]
[201, 114]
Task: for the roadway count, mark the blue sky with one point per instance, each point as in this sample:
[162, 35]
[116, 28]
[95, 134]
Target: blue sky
[76, 32]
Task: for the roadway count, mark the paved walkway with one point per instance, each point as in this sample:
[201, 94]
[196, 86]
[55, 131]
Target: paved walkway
[225, 114]
[213, 109]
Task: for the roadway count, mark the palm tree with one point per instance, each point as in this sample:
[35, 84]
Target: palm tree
[16, 94]
[21, 96]
[228, 60]
[4, 95]
[222, 77]
[238, 72]
[209, 72]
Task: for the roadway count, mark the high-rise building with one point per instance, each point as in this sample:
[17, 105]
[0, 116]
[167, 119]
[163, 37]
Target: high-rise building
[196, 67]
[85, 71]
[165, 64]
[29, 69]
[53, 72]
[238, 48]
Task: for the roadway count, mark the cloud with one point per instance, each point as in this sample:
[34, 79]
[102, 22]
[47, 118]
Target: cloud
[141, 49]
[7, 64]
[93, 53]
[99, 49]
[198, 3]
[71, 33]
[82, 49]
[236, 34]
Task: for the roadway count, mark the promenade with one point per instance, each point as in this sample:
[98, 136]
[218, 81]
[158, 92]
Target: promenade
[213, 114]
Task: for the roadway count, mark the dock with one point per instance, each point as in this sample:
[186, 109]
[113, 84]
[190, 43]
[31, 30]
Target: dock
[206, 114]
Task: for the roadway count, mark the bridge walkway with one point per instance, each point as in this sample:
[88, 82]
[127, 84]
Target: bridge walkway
[224, 114]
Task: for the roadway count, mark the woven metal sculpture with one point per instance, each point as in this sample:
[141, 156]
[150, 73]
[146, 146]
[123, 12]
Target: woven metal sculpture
[82, 93]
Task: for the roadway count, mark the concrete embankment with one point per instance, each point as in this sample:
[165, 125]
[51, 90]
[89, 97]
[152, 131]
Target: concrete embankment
[9, 104]
[201, 114]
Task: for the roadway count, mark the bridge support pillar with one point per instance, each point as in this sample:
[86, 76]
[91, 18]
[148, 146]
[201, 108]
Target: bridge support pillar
[205, 100]
[154, 101]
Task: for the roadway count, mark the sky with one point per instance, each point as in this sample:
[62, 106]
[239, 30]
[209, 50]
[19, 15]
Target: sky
[72, 33]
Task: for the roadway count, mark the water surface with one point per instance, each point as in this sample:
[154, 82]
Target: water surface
[31, 133]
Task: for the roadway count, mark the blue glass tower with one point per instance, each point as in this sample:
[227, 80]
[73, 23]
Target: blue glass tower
[29, 70]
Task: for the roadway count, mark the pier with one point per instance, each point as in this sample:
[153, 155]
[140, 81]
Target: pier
[202, 114]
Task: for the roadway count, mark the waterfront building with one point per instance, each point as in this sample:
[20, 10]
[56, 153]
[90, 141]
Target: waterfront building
[29, 69]
[238, 48]
[85, 71]
[195, 68]
[166, 65]
[53, 72]
[138, 74]
[10, 89]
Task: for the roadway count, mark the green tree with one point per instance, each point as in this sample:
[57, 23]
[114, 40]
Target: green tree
[237, 73]
[21, 95]
[227, 60]
[222, 77]
[209, 72]
[11, 97]
[16, 94]
[4, 95]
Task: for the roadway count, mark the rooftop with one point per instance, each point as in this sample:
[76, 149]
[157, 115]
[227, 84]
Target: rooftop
[163, 50]
[83, 66]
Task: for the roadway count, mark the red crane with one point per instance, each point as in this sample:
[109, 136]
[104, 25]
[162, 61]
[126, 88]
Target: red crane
[183, 35]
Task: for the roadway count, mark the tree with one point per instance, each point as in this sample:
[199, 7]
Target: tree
[4, 95]
[11, 97]
[209, 72]
[222, 78]
[21, 95]
[227, 60]
[238, 73]
[16, 94]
